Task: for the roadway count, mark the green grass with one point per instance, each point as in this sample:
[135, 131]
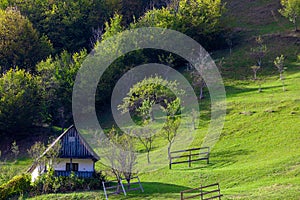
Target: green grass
[258, 154]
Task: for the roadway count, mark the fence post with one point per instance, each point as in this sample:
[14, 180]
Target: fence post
[190, 156]
[208, 155]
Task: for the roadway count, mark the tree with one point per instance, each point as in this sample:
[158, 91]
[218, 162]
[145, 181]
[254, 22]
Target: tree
[68, 24]
[154, 90]
[199, 19]
[121, 155]
[172, 123]
[36, 150]
[291, 10]
[146, 137]
[58, 76]
[113, 27]
[170, 132]
[15, 149]
[255, 68]
[259, 52]
[279, 63]
[20, 101]
[21, 45]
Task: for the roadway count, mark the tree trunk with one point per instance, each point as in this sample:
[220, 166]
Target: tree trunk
[295, 24]
[169, 150]
[201, 96]
[148, 156]
[254, 75]
[152, 115]
[283, 86]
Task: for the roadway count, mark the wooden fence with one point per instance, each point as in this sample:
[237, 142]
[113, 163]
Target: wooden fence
[204, 192]
[190, 155]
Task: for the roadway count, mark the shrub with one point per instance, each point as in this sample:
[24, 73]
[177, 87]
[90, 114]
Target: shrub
[17, 185]
[49, 183]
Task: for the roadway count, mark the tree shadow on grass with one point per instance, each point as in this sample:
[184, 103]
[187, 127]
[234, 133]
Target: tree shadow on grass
[233, 91]
[227, 157]
[152, 189]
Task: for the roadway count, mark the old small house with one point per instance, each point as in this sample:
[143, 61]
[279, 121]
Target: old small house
[75, 155]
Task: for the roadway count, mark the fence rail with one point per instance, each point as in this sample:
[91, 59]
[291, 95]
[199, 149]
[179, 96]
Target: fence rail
[203, 154]
[204, 192]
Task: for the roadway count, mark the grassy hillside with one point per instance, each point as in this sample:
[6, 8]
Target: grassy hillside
[258, 154]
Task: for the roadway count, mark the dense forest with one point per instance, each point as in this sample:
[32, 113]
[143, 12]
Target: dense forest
[44, 43]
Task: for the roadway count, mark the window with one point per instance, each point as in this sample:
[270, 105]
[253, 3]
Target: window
[74, 167]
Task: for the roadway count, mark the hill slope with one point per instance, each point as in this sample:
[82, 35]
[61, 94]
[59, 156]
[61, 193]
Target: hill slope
[258, 154]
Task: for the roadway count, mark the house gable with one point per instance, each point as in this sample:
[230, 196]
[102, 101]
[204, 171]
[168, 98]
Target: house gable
[73, 145]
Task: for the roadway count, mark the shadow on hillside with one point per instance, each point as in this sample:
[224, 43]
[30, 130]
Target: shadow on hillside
[234, 91]
[151, 188]
[161, 188]
[227, 157]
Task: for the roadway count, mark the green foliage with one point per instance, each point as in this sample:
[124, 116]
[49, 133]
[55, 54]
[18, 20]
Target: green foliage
[49, 183]
[58, 76]
[20, 44]
[17, 185]
[291, 10]
[199, 19]
[68, 24]
[153, 90]
[20, 100]
[36, 150]
[4, 4]
[114, 27]
[7, 172]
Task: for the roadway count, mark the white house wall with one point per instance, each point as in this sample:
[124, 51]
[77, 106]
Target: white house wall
[35, 173]
[84, 165]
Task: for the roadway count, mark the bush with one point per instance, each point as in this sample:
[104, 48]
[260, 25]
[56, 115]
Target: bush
[17, 185]
[49, 183]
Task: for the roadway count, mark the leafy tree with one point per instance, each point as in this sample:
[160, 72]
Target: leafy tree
[146, 137]
[68, 24]
[20, 44]
[199, 19]
[170, 131]
[20, 101]
[113, 27]
[58, 75]
[4, 4]
[153, 90]
[291, 10]
[36, 151]
[172, 123]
